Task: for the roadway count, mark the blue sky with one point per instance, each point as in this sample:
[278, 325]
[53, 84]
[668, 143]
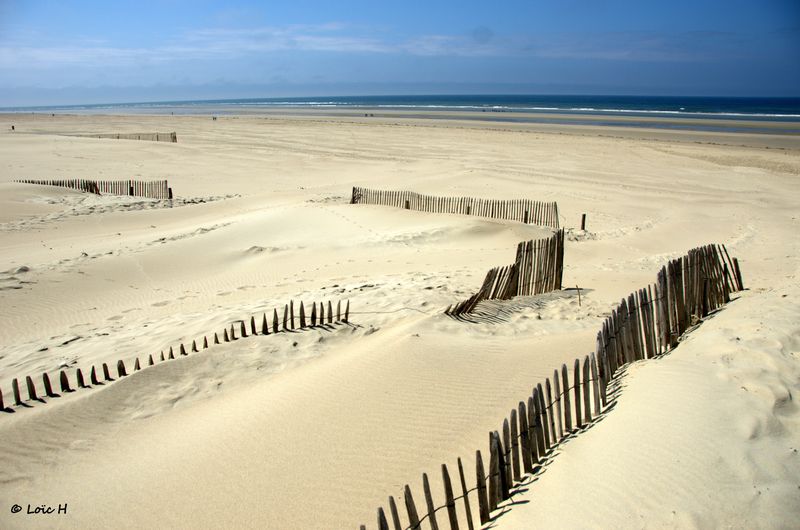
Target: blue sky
[91, 51]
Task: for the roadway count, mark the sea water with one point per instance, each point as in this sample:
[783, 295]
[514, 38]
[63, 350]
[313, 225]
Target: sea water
[716, 108]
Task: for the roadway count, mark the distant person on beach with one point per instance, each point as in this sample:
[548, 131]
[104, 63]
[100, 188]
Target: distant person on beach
[12, 127]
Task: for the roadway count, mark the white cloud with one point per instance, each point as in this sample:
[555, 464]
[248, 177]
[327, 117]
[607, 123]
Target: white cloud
[339, 38]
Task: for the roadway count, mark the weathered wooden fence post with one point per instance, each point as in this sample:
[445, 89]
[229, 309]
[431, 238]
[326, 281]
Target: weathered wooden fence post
[31, 388]
[411, 509]
[449, 499]
[15, 390]
[426, 488]
[483, 501]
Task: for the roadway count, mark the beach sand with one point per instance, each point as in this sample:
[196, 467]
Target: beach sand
[315, 429]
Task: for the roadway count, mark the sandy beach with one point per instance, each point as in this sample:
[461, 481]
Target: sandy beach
[315, 429]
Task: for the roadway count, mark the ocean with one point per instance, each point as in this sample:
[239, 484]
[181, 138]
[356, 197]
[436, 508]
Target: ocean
[545, 107]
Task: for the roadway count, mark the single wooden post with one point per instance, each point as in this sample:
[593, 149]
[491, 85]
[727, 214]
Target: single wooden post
[194, 346]
[225, 335]
[339, 311]
[395, 515]
[31, 388]
[330, 312]
[347, 313]
[322, 313]
[93, 376]
[121, 369]
[242, 329]
[79, 377]
[275, 320]
[557, 403]
[525, 441]
[583, 222]
[483, 501]
[596, 385]
[285, 317]
[302, 316]
[216, 341]
[411, 509]
[515, 468]
[15, 390]
[550, 407]
[426, 488]
[534, 433]
[506, 447]
[64, 382]
[150, 361]
[577, 388]
[253, 326]
[162, 356]
[449, 499]
[169, 193]
[465, 495]
[183, 349]
[264, 325]
[136, 365]
[2, 405]
[408, 205]
[738, 274]
[313, 314]
[587, 408]
[494, 472]
[48, 388]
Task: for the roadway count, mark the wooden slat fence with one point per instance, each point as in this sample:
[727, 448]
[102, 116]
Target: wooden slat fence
[538, 268]
[310, 316]
[152, 137]
[522, 210]
[153, 189]
[647, 323]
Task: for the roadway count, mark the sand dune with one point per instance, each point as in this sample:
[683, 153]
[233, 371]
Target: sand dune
[316, 429]
[705, 437]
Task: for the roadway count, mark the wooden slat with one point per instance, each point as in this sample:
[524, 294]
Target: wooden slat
[567, 405]
[537, 424]
[587, 408]
[483, 500]
[465, 495]
[525, 442]
[394, 514]
[577, 389]
[551, 412]
[449, 500]
[557, 408]
[411, 510]
[515, 460]
[494, 472]
[426, 487]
